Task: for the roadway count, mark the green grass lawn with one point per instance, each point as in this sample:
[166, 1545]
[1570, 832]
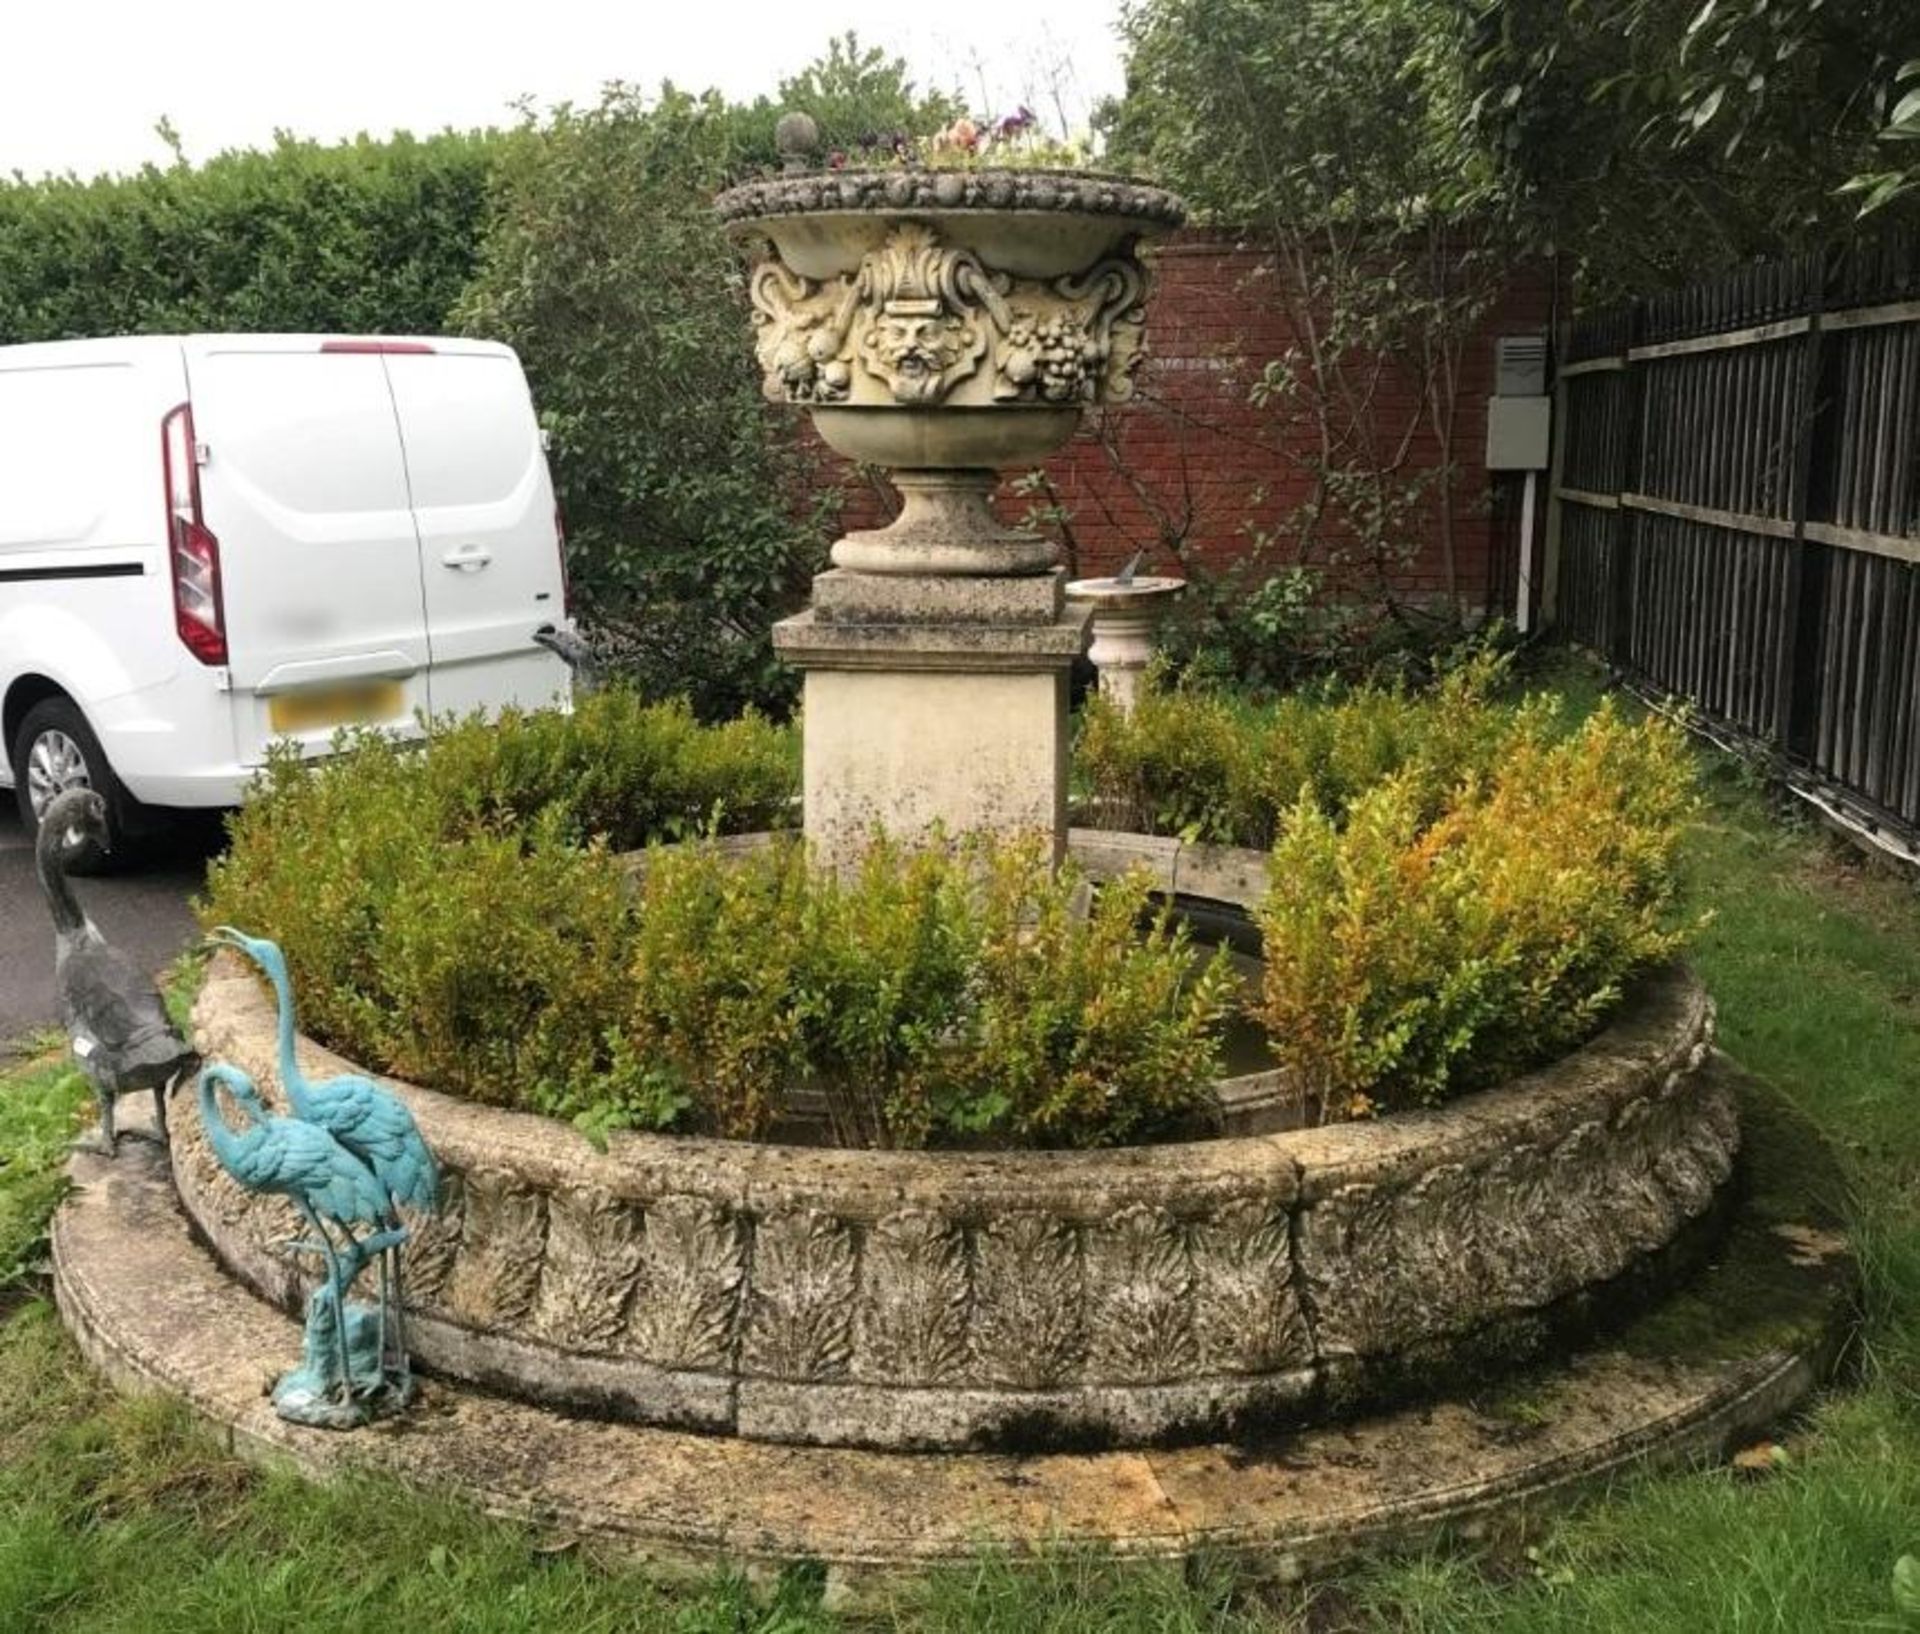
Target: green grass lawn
[118, 1516]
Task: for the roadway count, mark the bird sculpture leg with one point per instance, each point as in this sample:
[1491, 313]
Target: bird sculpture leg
[160, 1109]
[339, 1296]
[386, 1298]
[383, 1243]
[401, 1357]
[109, 1142]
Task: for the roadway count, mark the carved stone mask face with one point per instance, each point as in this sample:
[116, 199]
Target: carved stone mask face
[912, 346]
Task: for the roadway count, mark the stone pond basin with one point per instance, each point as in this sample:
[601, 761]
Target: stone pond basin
[1021, 1301]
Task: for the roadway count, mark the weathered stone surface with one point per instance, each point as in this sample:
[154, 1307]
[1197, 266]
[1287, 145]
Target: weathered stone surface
[842, 597]
[1744, 1343]
[943, 308]
[1125, 617]
[911, 1320]
[914, 751]
[910, 650]
[1096, 193]
[1106, 854]
[925, 1299]
[686, 1304]
[587, 1276]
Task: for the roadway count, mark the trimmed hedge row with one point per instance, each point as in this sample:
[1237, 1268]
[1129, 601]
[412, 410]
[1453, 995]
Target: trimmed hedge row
[363, 236]
[1462, 902]
[459, 914]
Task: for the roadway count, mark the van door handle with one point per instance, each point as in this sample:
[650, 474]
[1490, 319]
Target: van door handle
[468, 558]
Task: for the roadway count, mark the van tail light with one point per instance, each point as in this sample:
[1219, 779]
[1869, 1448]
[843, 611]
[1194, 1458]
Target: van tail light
[193, 554]
[560, 543]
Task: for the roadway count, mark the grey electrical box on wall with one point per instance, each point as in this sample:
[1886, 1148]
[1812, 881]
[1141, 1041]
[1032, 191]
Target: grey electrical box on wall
[1520, 414]
[1517, 429]
[1520, 366]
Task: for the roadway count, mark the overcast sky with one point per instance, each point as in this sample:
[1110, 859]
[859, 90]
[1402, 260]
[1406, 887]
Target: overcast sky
[82, 85]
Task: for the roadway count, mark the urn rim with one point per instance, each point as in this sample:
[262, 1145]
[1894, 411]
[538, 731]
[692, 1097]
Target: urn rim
[1001, 190]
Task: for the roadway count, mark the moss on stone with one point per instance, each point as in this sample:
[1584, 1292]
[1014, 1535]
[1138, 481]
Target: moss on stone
[1753, 1299]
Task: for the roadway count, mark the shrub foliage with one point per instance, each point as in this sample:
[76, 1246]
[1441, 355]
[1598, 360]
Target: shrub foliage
[1205, 766]
[1460, 889]
[960, 993]
[455, 911]
[1411, 956]
[458, 914]
[366, 237]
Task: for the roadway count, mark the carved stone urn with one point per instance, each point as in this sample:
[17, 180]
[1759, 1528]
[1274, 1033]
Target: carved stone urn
[942, 324]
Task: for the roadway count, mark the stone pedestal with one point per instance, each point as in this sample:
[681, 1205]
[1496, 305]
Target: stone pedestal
[1126, 613]
[933, 701]
[943, 325]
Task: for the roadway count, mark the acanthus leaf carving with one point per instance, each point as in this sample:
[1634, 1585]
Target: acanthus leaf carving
[800, 1303]
[1517, 1214]
[496, 1272]
[1028, 1325]
[433, 1241]
[1246, 1314]
[1593, 1242]
[912, 1321]
[592, 1259]
[1139, 1292]
[686, 1297]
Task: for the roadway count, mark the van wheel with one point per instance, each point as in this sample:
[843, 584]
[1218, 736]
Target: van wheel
[55, 750]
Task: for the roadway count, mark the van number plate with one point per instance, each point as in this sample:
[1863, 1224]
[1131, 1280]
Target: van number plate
[355, 704]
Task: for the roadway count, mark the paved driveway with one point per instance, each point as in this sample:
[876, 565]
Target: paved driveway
[143, 911]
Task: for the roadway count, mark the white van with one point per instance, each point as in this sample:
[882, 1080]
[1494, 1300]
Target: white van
[210, 542]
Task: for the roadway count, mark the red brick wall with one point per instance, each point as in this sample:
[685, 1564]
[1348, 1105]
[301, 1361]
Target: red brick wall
[1212, 467]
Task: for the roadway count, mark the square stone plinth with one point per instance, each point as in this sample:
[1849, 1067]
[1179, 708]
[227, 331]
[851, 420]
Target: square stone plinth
[912, 726]
[841, 597]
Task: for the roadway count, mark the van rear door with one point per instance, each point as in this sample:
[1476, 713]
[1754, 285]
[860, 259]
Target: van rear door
[483, 503]
[304, 486]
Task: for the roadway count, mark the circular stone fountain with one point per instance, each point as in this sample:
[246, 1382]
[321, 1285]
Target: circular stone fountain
[1025, 1300]
[1286, 1343]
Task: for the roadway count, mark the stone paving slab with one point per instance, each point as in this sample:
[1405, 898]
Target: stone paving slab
[1734, 1351]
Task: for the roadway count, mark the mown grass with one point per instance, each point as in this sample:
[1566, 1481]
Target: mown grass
[119, 1516]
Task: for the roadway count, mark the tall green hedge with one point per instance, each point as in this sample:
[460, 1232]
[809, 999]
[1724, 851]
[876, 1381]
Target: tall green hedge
[363, 237]
[686, 499]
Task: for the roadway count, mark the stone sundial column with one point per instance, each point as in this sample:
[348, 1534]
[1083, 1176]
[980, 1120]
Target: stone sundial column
[943, 324]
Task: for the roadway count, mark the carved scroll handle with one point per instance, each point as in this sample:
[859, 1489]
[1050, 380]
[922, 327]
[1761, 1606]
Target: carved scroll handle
[1118, 290]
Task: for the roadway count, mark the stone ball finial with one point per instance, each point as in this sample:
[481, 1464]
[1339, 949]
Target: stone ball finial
[796, 136]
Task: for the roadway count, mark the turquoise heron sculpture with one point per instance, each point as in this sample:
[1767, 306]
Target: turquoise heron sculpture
[328, 1186]
[367, 1120]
